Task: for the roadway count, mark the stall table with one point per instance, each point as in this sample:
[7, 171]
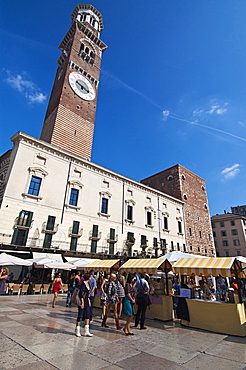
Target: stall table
[220, 317]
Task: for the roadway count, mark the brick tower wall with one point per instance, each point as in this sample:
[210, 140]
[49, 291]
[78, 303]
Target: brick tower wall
[181, 183]
[69, 121]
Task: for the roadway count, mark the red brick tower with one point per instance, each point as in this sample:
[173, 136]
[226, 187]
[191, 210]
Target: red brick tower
[180, 183]
[70, 116]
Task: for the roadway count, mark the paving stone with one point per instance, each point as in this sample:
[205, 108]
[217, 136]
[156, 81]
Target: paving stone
[7, 309]
[112, 367]
[113, 353]
[205, 362]
[6, 344]
[111, 335]
[17, 355]
[85, 343]
[46, 352]
[39, 365]
[231, 351]
[4, 318]
[172, 352]
[144, 361]
[78, 360]
[38, 338]
[9, 324]
[22, 317]
[17, 330]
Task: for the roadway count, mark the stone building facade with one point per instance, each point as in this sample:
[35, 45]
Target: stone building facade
[239, 210]
[229, 231]
[54, 199]
[182, 184]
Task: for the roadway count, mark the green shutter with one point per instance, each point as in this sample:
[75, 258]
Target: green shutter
[73, 244]
[50, 223]
[75, 227]
[95, 231]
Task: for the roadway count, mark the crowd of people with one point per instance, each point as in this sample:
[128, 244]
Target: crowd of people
[117, 294]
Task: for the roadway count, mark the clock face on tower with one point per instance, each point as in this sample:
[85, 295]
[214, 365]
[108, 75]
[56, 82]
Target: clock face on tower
[81, 86]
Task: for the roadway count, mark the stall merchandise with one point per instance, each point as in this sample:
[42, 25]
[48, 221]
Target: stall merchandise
[225, 318]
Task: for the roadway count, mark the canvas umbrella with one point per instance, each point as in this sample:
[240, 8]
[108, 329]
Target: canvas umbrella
[58, 265]
[8, 260]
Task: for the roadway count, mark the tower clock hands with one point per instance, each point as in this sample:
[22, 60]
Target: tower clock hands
[82, 87]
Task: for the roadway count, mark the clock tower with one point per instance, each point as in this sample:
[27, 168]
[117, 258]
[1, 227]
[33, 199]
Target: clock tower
[70, 116]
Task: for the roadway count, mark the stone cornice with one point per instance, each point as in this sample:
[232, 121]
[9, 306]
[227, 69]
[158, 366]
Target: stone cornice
[62, 154]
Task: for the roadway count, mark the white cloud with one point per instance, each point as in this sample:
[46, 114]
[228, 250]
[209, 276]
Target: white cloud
[28, 88]
[230, 172]
[198, 112]
[36, 97]
[218, 109]
[221, 110]
[165, 114]
[215, 109]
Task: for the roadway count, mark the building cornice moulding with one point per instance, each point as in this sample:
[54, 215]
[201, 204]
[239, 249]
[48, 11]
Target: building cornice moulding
[50, 149]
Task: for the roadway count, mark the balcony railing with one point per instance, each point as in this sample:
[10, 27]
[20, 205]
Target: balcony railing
[20, 226]
[78, 234]
[48, 231]
[95, 237]
[112, 240]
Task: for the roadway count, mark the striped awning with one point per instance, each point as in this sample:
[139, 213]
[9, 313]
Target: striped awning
[148, 265]
[103, 265]
[204, 266]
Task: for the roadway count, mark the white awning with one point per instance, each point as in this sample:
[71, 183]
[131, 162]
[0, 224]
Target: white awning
[51, 256]
[8, 260]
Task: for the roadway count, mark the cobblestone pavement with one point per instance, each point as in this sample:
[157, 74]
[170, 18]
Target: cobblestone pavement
[35, 335]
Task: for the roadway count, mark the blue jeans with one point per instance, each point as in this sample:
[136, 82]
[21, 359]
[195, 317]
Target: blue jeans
[69, 293]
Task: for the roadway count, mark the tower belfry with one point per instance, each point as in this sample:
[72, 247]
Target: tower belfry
[70, 116]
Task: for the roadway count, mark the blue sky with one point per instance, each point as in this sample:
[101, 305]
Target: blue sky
[172, 89]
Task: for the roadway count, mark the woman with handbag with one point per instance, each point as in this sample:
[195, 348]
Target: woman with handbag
[84, 310]
[129, 301]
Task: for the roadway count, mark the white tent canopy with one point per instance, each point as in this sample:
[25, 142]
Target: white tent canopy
[42, 260]
[176, 255]
[58, 265]
[8, 260]
[80, 262]
[51, 256]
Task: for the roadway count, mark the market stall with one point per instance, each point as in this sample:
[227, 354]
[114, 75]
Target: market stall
[162, 306]
[213, 315]
[104, 265]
